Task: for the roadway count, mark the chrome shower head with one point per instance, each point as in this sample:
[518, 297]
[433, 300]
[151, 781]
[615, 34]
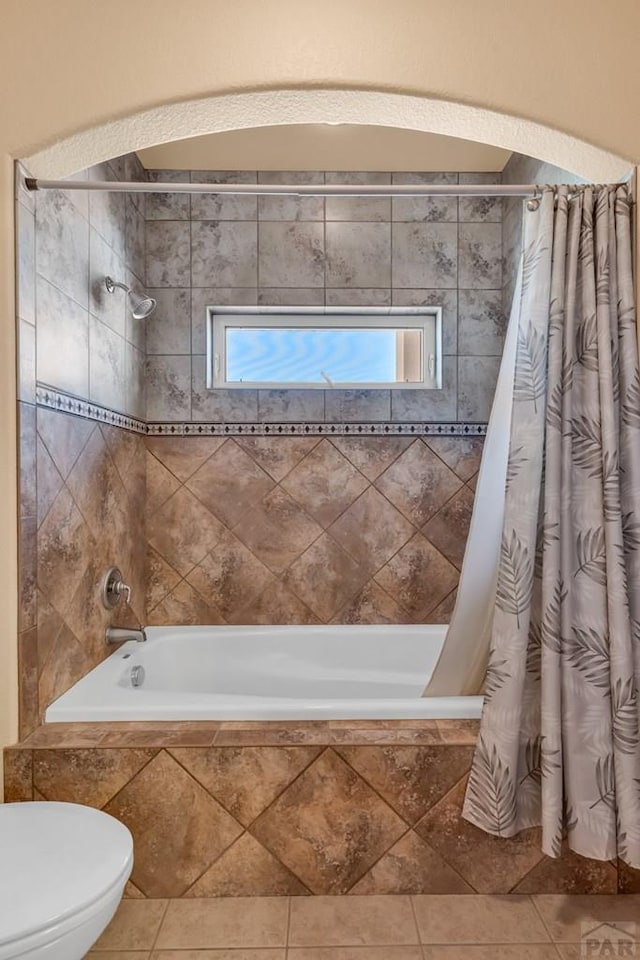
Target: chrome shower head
[141, 307]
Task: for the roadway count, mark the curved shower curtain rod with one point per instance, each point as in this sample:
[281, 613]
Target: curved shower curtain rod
[530, 190]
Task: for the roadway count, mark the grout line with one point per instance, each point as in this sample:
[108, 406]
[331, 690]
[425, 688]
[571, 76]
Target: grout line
[534, 904]
[245, 828]
[73, 465]
[164, 913]
[384, 853]
[156, 753]
[288, 930]
[415, 920]
[41, 276]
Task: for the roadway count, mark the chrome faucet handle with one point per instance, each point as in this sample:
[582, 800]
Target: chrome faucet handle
[114, 589]
[124, 590]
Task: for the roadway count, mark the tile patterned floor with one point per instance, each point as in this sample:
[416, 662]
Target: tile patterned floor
[364, 928]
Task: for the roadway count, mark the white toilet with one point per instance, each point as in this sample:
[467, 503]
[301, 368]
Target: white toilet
[63, 869]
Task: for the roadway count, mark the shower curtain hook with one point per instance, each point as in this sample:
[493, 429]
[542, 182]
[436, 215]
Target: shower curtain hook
[533, 203]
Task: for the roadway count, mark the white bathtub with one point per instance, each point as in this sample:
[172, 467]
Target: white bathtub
[267, 673]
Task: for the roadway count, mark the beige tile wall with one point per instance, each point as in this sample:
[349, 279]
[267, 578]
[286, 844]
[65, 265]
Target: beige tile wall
[307, 529]
[89, 515]
[277, 809]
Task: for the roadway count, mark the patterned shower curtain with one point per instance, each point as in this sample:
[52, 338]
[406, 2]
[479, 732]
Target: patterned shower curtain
[559, 742]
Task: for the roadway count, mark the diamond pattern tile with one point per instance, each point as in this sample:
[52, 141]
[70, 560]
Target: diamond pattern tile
[86, 615]
[488, 864]
[96, 487]
[127, 451]
[371, 455]
[411, 867]
[90, 776]
[184, 605]
[449, 528]
[182, 456]
[18, 775]
[161, 578]
[325, 483]
[461, 454]
[183, 531]
[160, 484]
[371, 530]
[325, 578]
[28, 693]
[177, 835]
[570, 874]
[48, 480]
[245, 780]
[65, 544]
[277, 530]
[418, 483]
[230, 483]
[372, 605]
[277, 457]
[229, 577]
[274, 495]
[68, 661]
[49, 625]
[444, 611]
[628, 878]
[323, 826]
[277, 604]
[247, 869]
[410, 779]
[64, 437]
[328, 827]
[418, 576]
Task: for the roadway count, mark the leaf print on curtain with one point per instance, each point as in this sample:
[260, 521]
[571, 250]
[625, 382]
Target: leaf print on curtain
[559, 741]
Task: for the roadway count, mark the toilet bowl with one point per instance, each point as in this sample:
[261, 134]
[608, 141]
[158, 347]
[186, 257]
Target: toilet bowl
[63, 869]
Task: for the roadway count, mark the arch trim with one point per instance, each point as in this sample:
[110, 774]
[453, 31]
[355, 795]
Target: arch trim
[192, 118]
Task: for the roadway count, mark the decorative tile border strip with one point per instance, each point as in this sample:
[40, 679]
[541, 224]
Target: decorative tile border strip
[56, 400]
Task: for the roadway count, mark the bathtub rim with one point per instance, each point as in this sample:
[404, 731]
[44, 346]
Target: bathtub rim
[85, 701]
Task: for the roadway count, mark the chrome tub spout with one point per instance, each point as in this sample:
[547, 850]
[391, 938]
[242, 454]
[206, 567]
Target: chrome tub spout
[119, 634]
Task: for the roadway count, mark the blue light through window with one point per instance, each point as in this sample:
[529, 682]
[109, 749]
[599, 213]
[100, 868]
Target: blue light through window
[310, 355]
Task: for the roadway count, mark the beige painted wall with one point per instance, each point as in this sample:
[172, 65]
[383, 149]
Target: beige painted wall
[66, 66]
[314, 146]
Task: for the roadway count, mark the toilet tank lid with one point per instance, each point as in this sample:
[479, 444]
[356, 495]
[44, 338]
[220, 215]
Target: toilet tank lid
[55, 860]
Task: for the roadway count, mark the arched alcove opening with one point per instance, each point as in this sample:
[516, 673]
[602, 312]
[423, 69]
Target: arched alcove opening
[192, 118]
[210, 115]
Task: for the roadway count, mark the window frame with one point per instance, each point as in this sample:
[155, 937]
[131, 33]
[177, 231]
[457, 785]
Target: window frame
[219, 318]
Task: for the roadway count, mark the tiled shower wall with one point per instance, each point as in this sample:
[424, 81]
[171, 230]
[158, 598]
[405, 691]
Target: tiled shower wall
[307, 529]
[212, 249]
[74, 336]
[81, 484]
[261, 530]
